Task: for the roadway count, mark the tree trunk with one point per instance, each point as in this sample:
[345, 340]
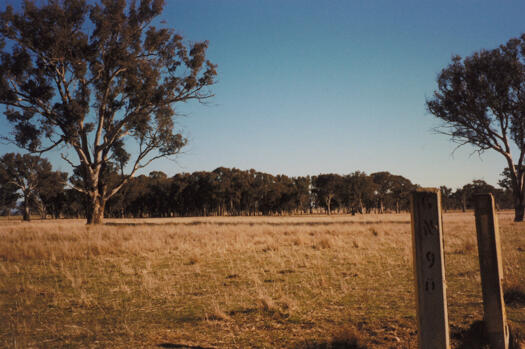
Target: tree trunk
[519, 206]
[518, 190]
[96, 210]
[27, 211]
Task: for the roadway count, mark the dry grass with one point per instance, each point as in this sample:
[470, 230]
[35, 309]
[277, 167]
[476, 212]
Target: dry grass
[234, 282]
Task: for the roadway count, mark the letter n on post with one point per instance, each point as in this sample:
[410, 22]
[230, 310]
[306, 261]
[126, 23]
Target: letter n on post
[429, 269]
[491, 271]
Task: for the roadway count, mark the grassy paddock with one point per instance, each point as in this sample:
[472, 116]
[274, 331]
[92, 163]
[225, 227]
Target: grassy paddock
[268, 282]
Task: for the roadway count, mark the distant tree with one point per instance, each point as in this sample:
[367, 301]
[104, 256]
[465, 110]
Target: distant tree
[240, 186]
[223, 190]
[51, 193]
[248, 196]
[97, 77]
[325, 188]
[270, 195]
[55, 202]
[32, 176]
[203, 193]
[178, 186]
[459, 198]
[258, 184]
[477, 186]
[302, 195]
[383, 186]
[391, 191]
[8, 194]
[481, 100]
[505, 183]
[356, 192]
[285, 189]
[446, 197]
[158, 194]
[133, 199]
[400, 191]
[75, 205]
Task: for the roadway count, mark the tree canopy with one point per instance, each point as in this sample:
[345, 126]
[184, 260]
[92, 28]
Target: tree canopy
[98, 78]
[481, 101]
[8, 195]
[33, 179]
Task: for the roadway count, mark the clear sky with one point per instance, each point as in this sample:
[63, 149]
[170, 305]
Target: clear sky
[308, 87]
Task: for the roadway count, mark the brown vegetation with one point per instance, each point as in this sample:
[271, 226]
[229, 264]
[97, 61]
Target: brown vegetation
[298, 282]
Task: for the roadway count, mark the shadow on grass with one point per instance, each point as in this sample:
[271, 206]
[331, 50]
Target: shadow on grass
[475, 337]
[346, 338]
[183, 346]
[515, 296]
[334, 345]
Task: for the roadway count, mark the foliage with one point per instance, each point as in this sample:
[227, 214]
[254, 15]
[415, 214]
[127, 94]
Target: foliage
[481, 101]
[8, 195]
[325, 188]
[232, 192]
[34, 179]
[97, 78]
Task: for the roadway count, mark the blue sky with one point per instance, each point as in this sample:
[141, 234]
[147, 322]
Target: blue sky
[309, 87]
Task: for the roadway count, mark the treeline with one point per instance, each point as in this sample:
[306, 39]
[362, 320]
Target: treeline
[227, 191]
[462, 198]
[232, 192]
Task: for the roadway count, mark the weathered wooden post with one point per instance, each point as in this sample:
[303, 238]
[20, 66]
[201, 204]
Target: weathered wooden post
[429, 269]
[491, 271]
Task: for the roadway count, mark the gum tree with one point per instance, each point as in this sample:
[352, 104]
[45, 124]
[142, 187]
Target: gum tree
[8, 195]
[481, 101]
[100, 81]
[33, 177]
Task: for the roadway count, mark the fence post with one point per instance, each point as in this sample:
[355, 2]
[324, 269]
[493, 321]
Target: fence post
[491, 271]
[429, 269]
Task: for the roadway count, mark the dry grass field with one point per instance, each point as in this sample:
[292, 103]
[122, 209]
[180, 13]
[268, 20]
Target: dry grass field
[264, 282]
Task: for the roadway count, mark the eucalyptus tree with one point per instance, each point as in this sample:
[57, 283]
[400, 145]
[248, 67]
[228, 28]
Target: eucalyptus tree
[33, 177]
[302, 194]
[8, 195]
[481, 101]
[51, 192]
[446, 197]
[325, 187]
[158, 190]
[97, 78]
[400, 192]
[383, 188]
[361, 188]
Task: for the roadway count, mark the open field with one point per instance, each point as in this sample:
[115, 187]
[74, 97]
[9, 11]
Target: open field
[266, 282]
